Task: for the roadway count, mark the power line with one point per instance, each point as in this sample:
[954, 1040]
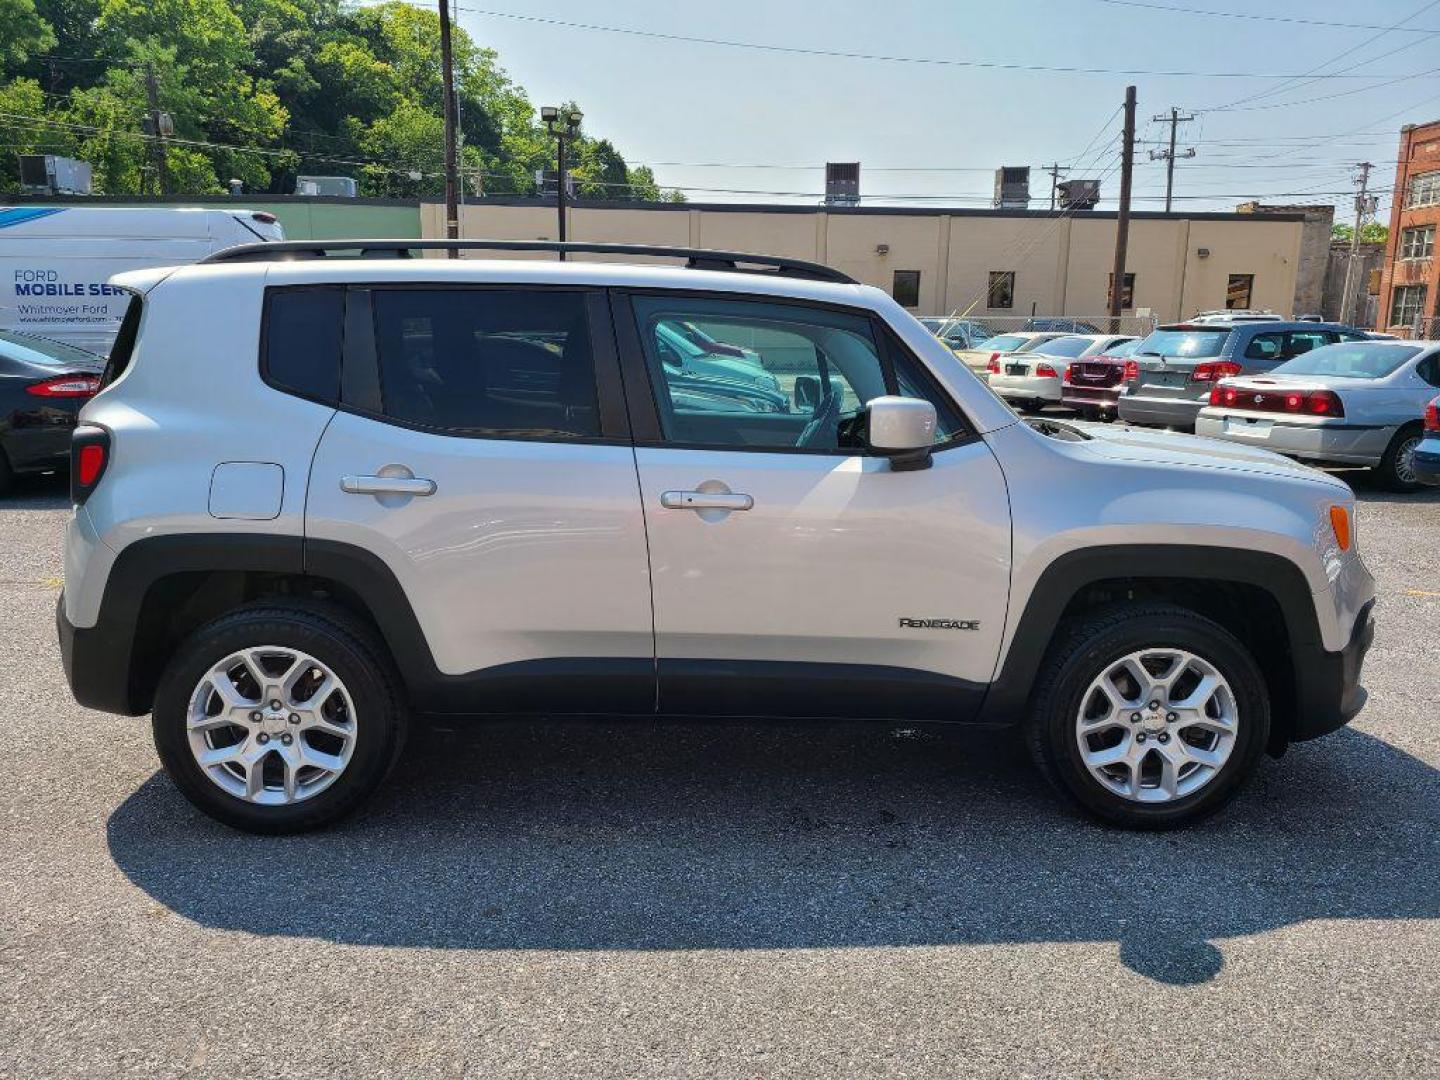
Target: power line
[1256, 18]
[796, 50]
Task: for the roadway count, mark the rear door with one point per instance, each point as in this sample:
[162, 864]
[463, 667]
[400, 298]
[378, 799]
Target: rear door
[482, 460]
[793, 572]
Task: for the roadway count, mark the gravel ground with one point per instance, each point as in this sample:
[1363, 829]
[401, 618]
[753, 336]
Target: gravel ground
[622, 899]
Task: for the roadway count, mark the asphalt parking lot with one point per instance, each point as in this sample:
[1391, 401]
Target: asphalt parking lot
[621, 899]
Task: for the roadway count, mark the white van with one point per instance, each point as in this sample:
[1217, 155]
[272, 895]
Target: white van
[55, 260]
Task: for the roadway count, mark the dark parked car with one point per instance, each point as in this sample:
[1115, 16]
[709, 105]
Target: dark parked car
[1092, 385]
[1427, 454]
[42, 386]
[1176, 366]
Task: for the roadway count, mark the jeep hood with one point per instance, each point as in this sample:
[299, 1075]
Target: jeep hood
[1146, 446]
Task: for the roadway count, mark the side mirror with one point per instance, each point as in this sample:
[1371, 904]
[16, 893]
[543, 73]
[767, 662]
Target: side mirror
[902, 429]
[807, 393]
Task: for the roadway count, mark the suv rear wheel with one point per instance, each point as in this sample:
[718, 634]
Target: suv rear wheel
[278, 718]
[1149, 716]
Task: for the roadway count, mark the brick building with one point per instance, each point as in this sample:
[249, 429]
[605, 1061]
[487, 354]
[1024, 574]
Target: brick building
[1410, 278]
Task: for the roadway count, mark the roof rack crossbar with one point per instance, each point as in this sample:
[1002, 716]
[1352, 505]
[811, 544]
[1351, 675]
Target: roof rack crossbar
[695, 258]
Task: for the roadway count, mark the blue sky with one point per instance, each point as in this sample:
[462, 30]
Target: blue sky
[679, 105]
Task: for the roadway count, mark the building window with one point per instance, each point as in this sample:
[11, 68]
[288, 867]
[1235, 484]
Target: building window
[1238, 288]
[1127, 292]
[1407, 305]
[906, 288]
[1423, 190]
[1002, 289]
[1417, 243]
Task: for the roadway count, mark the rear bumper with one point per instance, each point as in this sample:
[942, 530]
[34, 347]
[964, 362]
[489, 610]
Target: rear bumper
[1104, 398]
[1427, 460]
[1328, 690]
[1160, 412]
[1026, 388]
[97, 666]
[1342, 444]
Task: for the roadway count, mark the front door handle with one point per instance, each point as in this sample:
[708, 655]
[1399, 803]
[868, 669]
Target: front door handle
[387, 485]
[705, 500]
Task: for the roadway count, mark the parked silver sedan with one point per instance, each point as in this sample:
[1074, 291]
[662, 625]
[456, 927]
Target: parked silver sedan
[1355, 403]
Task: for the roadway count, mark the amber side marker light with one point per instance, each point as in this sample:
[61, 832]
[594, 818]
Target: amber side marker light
[1340, 522]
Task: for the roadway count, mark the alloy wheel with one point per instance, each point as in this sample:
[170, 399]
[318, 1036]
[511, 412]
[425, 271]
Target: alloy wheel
[271, 725]
[1157, 725]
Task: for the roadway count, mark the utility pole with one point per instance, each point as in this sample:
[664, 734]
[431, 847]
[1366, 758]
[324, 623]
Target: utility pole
[1054, 170]
[1362, 210]
[1122, 222]
[1175, 120]
[447, 80]
[159, 123]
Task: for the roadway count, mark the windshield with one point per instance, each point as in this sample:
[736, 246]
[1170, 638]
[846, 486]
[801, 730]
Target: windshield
[33, 350]
[1065, 346]
[1350, 360]
[1184, 343]
[1003, 343]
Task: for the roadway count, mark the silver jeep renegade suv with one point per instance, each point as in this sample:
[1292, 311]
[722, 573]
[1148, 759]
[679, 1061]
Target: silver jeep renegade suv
[325, 490]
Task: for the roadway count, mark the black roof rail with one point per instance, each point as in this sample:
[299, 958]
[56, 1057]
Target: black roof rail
[695, 258]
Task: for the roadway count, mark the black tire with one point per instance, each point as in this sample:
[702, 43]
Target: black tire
[1387, 473]
[348, 648]
[1078, 656]
[1032, 406]
[7, 474]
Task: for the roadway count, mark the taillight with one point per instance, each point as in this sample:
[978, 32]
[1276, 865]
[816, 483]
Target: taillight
[1066, 377]
[1214, 371]
[1432, 416]
[66, 386]
[1301, 402]
[89, 455]
[1132, 370]
[1045, 371]
[993, 367]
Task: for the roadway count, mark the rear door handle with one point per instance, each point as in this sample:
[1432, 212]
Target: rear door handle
[387, 485]
[705, 500]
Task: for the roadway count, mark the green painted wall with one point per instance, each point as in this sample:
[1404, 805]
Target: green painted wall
[302, 218]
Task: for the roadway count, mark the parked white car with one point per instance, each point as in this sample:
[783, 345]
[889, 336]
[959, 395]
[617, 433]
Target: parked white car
[1355, 403]
[323, 497]
[56, 261]
[1033, 378]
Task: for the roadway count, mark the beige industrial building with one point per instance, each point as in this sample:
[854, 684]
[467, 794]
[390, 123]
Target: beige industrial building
[985, 262]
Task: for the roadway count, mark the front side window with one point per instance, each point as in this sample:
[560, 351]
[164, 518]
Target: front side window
[799, 382]
[1302, 341]
[1417, 243]
[1266, 347]
[497, 363]
[1238, 288]
[1001, 292]
[1407, 304]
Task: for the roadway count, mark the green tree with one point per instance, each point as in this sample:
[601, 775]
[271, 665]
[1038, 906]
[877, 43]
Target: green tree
[1372, 232]
[23, 32]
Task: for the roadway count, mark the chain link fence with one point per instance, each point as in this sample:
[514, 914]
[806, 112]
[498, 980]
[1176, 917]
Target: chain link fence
[974, 330]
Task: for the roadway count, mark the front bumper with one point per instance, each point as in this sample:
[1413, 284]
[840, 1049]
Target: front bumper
[1312, 440]
[1328, 693]
[1160, 412]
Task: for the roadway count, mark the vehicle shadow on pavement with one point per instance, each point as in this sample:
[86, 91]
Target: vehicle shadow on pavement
[670, 835]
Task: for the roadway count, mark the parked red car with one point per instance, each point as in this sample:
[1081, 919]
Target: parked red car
[1092, 386]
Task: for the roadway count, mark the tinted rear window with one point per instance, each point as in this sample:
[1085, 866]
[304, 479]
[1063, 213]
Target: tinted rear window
[1065, 346]
[1184, 344]
[488, 362]
[1003, 343]
[302, 341]
[45, 353]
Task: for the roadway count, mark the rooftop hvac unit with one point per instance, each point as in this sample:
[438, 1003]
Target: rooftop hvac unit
[50, 174]
[1078, 194]
[1012, 187]
[842, 183]
[342, 186]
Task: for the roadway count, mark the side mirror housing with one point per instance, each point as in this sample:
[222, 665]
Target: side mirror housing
[807, 392]
[902, 429]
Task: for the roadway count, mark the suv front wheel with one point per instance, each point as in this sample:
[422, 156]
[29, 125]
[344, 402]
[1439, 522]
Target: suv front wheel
[278, 718]
[1149, 716]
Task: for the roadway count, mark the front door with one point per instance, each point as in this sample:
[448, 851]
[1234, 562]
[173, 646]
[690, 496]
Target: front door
[495, 483]
[794, 573]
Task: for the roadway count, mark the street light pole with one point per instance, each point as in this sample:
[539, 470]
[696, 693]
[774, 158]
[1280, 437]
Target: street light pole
[447, 85]
[564, 128]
